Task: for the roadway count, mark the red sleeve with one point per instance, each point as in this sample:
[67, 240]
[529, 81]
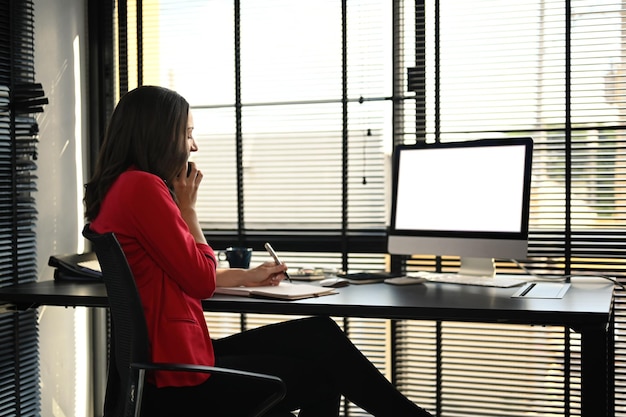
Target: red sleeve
[140, 209]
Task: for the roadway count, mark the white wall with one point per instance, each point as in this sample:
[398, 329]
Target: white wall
[60, 44]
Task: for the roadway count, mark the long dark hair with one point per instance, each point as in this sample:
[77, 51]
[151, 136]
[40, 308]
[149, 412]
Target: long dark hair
[148, 130]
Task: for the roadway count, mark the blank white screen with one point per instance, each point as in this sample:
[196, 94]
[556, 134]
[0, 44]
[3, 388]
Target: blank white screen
[476, 189]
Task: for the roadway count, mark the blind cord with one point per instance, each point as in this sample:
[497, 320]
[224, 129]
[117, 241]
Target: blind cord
[369, 133]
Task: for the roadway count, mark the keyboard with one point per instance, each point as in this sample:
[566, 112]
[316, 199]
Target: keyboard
[499, 281]
[370, 275]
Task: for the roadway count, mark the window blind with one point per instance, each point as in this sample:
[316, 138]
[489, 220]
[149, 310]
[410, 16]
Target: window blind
[20, 98]
[297, 106]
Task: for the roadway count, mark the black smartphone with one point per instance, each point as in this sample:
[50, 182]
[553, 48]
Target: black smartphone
[188, 168]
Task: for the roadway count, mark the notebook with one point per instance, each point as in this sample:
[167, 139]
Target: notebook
[284, 291]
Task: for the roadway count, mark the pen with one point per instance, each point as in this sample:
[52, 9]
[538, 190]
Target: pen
[528, 288]
[269, 248]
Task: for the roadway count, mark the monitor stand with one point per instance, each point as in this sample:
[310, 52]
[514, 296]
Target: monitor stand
[483, 267]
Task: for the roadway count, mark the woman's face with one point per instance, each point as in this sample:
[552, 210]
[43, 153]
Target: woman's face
[191, 142]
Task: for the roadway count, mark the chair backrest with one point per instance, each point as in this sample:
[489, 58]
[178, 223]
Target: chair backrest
[129, 334]
[129, 353]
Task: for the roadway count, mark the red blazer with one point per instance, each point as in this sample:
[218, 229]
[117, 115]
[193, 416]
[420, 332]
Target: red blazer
[172, 271]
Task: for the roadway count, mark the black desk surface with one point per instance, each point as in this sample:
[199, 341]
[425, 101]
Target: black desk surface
[585, 308]
[587, 302]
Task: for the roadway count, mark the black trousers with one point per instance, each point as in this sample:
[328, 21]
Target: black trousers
[315, 359]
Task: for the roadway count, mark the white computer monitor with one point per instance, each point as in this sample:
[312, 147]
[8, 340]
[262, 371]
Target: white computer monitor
[468, 199]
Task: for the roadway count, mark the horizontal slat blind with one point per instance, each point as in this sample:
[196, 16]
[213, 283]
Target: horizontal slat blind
[486, 370]
[223, 324]
[507, 369]
[292, 166]
[372, 337]
[20, 99]
[416, 361]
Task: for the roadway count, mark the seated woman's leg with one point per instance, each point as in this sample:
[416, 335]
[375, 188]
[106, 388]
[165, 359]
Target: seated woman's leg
[322, 343]
[307, 387]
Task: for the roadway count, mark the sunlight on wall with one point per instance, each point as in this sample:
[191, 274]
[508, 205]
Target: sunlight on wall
[80, 323]
[78, 128]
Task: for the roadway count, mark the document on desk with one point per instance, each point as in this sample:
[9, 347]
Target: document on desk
[542, 290]
[283, 291]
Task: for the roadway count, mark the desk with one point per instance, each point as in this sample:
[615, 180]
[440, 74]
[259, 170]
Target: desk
[586, 308]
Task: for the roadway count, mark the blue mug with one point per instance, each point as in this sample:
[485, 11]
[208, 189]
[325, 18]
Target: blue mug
[237, 257]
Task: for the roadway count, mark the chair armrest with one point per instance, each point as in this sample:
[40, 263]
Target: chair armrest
[184, 367]
[278, 395]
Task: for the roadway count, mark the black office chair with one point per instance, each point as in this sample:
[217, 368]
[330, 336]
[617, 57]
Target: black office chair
[129, 352]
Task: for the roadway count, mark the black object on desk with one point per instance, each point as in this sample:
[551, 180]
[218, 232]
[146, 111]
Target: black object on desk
[369, 277]
[70, 267]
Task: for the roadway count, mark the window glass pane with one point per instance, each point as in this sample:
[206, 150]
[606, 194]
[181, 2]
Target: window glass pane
[505, 73]
[369, 48]
[188, 46]
[292, 159]
[216, 158]
[597, 63]
[290, 50]
[369, 169]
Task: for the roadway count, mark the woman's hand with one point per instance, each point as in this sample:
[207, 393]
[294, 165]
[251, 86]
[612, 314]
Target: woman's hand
[186, 190]
[186, 186]
[268, 273]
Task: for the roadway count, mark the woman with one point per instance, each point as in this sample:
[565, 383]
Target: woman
[145, 191]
